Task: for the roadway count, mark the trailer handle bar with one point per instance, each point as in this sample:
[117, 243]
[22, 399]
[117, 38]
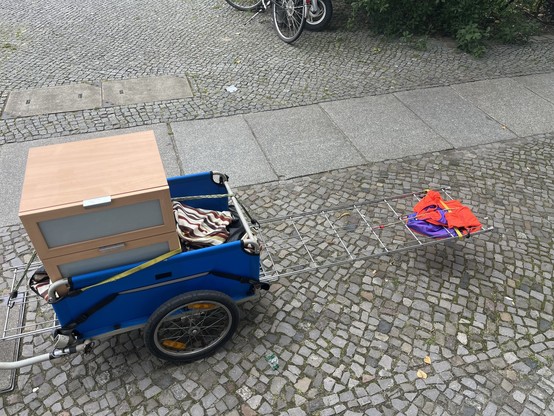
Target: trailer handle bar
[56, 353]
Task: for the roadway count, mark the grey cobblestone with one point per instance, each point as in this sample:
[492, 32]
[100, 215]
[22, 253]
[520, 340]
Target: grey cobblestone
[147, 47]
[350, 340]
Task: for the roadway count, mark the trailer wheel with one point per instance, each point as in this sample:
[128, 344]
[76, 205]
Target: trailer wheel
[191, 326]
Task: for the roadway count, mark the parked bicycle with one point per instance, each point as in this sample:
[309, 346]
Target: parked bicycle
[319, 15]
[290, 17]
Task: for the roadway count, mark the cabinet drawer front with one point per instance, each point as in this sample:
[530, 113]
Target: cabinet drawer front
[73, 229]
[110, 256]
[100, 224]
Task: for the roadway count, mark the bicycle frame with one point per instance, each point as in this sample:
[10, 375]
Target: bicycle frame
[307, 4]
[313, 7]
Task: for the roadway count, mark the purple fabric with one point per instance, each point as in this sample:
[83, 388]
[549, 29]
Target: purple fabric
[441, 211]
[428, 229]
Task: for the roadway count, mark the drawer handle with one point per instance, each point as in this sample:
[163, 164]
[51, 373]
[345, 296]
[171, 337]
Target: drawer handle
[97, 202]
[112, 247]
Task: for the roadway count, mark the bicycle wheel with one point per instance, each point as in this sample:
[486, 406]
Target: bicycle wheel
[191, 326]
[245, 5]
[288, 18]
[319, 19]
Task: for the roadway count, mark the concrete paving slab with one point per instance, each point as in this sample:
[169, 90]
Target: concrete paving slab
[144, 90]
[512, 104]
[455, 119]
[541, 84]
[49, 100]
[223, 144]
[383, 128]
[301, 141]
[13, 159]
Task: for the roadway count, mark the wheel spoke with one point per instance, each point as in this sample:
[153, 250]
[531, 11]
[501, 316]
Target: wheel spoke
[208, 324]
[175, 325]
[195, 329]
[191, 326]
[289, 18]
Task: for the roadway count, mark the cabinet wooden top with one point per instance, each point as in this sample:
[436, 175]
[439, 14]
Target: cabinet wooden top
[69, 173]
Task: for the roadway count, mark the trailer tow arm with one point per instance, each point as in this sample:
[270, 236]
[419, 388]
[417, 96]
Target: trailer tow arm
[56, 353]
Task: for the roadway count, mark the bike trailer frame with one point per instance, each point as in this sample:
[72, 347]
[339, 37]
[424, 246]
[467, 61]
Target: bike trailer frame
[120, 299]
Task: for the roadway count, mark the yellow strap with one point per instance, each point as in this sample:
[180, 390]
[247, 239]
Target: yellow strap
[135, 269]
[448, 209]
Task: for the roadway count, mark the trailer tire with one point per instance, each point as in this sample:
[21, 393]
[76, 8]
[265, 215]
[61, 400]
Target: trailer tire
[191, 326]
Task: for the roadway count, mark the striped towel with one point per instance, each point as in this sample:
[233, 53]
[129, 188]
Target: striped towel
[40, 283]
[199, 227]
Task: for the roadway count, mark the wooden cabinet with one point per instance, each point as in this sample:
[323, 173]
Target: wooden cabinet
[96, 204]
[106, 257]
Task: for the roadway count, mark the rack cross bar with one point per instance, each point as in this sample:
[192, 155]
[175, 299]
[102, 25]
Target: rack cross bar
[371, 228]
[399, 217]
[337, 234]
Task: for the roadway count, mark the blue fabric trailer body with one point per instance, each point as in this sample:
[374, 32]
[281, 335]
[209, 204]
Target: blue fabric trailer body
[199, 184]
[130, 301]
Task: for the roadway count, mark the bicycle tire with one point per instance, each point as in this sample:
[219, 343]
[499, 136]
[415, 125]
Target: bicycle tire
[289, 19]
[316, 22]
[245, 5]
[191, 326]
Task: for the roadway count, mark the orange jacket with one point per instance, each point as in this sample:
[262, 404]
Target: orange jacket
[452, 214]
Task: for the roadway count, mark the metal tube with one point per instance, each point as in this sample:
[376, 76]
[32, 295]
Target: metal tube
[337, 234]
[399, 217]
[371, 228]
[266, 270]
[342, 207]
[302, 241]
[44, 357]
[52, 289]
[20, 334]
[251, 239]
[371, 256]
[24, 363]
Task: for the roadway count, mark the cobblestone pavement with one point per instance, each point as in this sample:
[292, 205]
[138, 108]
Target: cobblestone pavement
[351, 341]
[56, 42]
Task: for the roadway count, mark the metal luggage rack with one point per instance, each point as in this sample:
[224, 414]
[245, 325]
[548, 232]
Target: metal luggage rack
[307, 242]
[27, 313]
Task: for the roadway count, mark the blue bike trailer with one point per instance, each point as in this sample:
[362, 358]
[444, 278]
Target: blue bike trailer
[186, 302]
